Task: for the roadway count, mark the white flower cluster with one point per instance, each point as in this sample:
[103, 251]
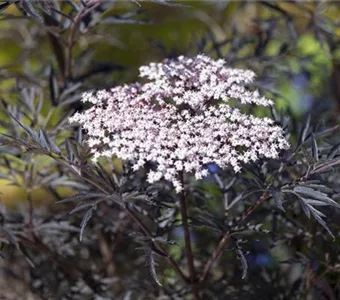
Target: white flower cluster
[180, 120]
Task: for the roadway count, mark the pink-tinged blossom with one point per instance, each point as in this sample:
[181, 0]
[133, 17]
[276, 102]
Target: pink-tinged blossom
[181, 120]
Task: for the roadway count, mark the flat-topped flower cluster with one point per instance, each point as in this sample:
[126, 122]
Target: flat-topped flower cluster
[181, 119]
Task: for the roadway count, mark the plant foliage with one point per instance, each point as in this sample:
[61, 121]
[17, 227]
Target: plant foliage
[88, 230]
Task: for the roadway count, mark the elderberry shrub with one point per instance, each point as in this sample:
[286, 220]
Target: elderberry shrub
[186, 183]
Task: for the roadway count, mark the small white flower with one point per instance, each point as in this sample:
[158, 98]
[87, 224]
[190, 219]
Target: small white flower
[180, 120]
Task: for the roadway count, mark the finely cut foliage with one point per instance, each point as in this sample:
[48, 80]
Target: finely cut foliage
[79, 224]
[181, 120]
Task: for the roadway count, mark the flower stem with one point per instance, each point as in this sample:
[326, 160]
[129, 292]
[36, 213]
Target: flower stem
[188, 250]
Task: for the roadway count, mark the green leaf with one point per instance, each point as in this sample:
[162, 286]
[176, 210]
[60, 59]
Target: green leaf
[152, 265]
[334, 150]
[277, 196]
[318, 216]
[315, 151]
[316, 195]
[82, 196]
[319, 187]
[243, 260]
[304, 131]
[69, 150]
[81, 206]
[84, 221]
[29, 8]
[315, 202]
